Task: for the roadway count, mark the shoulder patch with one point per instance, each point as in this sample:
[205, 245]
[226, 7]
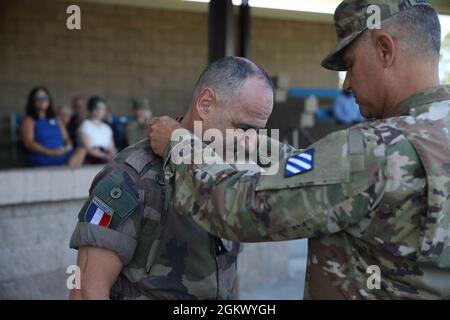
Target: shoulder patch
[300, 163]
[116, 194]
[98, 213]
[329, 165]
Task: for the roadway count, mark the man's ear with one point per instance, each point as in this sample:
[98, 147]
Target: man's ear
[386, 49]
[205, 101]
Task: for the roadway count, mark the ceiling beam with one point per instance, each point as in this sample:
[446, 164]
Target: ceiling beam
[443, 7]
[190, 6]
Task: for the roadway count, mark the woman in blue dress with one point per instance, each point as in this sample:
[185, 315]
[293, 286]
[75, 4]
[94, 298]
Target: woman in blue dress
[44, 136]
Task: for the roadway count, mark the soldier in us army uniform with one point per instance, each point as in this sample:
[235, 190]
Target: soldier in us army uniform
[374, 200]
[132, 244]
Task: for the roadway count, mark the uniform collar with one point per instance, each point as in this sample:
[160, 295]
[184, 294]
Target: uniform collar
[424, 98]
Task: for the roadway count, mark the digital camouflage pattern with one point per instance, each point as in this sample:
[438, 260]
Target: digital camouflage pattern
[350, 20]
[378, 195]
[165, 255]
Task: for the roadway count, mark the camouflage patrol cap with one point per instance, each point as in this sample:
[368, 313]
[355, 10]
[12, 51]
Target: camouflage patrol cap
[351, 20]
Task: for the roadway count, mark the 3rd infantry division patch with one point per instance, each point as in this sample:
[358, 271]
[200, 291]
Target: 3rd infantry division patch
[299, 163]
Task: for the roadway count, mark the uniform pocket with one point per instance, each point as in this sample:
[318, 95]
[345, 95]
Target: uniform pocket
[118, 191]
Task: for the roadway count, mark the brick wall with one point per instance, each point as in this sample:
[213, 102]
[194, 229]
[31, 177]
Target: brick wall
[123, 51]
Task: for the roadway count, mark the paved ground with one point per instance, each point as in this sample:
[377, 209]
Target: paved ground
[290, 288]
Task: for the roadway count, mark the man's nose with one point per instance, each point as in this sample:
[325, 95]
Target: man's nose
[347, 83]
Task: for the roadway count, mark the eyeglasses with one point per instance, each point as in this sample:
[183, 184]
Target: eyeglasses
[40, 99]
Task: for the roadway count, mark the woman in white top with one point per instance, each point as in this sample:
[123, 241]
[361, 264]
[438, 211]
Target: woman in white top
[95, 135]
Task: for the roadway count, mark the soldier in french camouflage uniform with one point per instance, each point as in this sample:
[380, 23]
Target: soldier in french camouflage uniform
[132, 243]
[374, 200]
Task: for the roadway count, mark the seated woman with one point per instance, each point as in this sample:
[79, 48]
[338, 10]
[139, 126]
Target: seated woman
[45, 137]
[95, 135]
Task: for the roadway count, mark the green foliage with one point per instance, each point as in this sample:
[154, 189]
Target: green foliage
[445, 59]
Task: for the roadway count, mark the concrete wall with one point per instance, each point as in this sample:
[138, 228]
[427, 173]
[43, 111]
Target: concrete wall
[38, 213]
[124, 51]
[34, 252]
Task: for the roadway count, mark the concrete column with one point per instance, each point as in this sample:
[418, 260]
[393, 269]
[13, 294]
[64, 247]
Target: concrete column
[221, 29]
[244, 30]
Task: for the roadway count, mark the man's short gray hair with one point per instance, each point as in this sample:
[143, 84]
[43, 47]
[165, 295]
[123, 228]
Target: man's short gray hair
[226, 77]
[418, 28]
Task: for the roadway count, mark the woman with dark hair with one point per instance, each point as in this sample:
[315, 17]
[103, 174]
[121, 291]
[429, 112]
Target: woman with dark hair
[95, 135]
[45, 137]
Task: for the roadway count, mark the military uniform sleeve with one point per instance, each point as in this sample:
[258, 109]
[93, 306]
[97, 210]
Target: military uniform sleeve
[344, 182]
[109, 219]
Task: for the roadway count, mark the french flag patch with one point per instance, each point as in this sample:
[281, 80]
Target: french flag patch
[99, 213]
[299, 163]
